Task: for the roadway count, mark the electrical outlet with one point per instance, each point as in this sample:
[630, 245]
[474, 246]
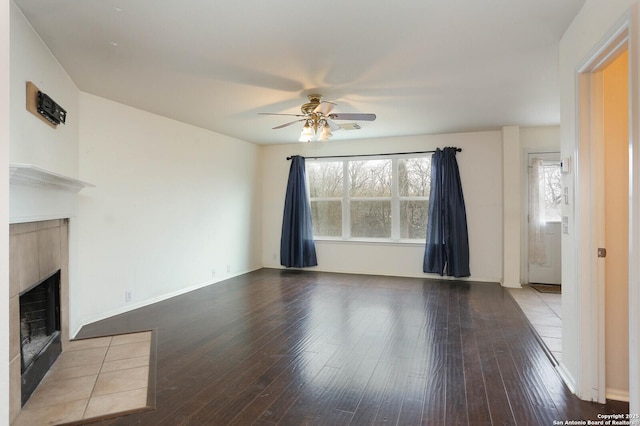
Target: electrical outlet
[275, 257]
[213, 272]
[127, 295]
[228, 267]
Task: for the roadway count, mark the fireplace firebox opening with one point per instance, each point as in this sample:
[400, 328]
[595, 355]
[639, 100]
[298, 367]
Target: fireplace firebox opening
[40, 340]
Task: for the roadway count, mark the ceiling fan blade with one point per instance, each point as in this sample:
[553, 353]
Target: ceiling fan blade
[273, 113]
[333, 126]
[325, 107]
[352, 116]
[288, 124]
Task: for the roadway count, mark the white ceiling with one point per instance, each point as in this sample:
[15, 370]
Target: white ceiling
[423, 66]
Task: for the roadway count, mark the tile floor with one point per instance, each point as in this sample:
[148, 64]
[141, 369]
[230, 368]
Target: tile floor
[94, 378]
[544, 312]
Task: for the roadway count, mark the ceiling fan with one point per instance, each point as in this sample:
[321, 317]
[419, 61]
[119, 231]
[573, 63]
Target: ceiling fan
[318, 119]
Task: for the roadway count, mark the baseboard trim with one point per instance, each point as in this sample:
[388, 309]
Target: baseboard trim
[617, 394]
[566, 377]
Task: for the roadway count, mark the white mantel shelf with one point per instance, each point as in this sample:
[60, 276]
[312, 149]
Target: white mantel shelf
[28, 174]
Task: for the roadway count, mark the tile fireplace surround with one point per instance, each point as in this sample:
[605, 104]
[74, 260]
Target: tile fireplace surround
[37, 250]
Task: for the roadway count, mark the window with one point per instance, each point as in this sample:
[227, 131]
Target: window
[551, 181]
[384, 198]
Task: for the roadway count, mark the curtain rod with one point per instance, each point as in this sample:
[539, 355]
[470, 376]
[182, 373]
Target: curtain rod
[374, 155]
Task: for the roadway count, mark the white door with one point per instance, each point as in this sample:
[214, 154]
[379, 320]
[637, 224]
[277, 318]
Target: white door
[545, 265]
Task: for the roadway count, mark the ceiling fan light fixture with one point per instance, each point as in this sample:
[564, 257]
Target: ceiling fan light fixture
[307, 130]
[307, 133]
[326, 134]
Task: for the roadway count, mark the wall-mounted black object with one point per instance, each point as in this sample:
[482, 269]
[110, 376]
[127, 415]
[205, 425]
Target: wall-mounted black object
[50, 109]
[42, 106]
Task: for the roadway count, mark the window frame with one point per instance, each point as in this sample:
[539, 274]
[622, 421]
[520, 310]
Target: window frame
[395, 199]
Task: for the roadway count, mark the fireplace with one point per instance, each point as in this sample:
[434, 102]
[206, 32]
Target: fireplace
[40, 341]
[39, 304]
[41, 206]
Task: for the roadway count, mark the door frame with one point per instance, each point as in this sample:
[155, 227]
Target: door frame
[589, 213]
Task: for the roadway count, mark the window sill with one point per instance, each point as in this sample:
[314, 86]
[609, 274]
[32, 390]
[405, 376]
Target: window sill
[370, 241]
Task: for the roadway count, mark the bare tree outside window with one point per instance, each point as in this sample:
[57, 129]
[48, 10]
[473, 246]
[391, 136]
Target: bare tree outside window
[414, 180]
[370, 198]
[370, 178]
[414, 176]
[325, 192]
[552, 177]
[325, 179]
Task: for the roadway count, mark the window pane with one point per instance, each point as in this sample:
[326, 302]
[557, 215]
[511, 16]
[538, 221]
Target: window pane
[327, 218]
[325, 179]
[370, 178]
[551, 174]
[414, 176]
[413, 218]
[371, 219]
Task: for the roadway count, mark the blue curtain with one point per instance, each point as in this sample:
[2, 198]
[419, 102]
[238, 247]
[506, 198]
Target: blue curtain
[447, 247]
[297, 248]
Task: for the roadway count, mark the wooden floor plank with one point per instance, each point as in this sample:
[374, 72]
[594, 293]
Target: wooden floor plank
[497, 399]
[270, 395]
[393, 395]
[308, 401]
[456, 412]
[433, 411]
[412, 401]
[477, 404]
[367, 409]
[359, 376]
[288, 347]
[311, 377]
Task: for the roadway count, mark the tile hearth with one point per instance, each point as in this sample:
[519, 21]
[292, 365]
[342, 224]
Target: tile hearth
[94, 379]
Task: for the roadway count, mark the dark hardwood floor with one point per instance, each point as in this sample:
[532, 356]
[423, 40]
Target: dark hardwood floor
[297, 347]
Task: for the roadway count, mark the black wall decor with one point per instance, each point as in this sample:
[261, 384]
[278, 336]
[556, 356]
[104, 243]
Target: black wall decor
[42, 106]
[50, 109]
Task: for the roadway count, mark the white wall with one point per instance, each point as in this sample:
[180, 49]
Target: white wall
[32, 141]
[540, 139]
[511, 207]
[172, 203]
[587, 31]
[480, 165]
[4, 214]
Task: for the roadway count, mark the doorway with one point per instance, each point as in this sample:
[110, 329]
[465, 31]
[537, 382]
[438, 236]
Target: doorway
[602, 188]
[544, 218]
[615, 83]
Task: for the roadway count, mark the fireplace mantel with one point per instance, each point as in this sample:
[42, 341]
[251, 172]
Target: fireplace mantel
[37, 194]
[28, 174]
